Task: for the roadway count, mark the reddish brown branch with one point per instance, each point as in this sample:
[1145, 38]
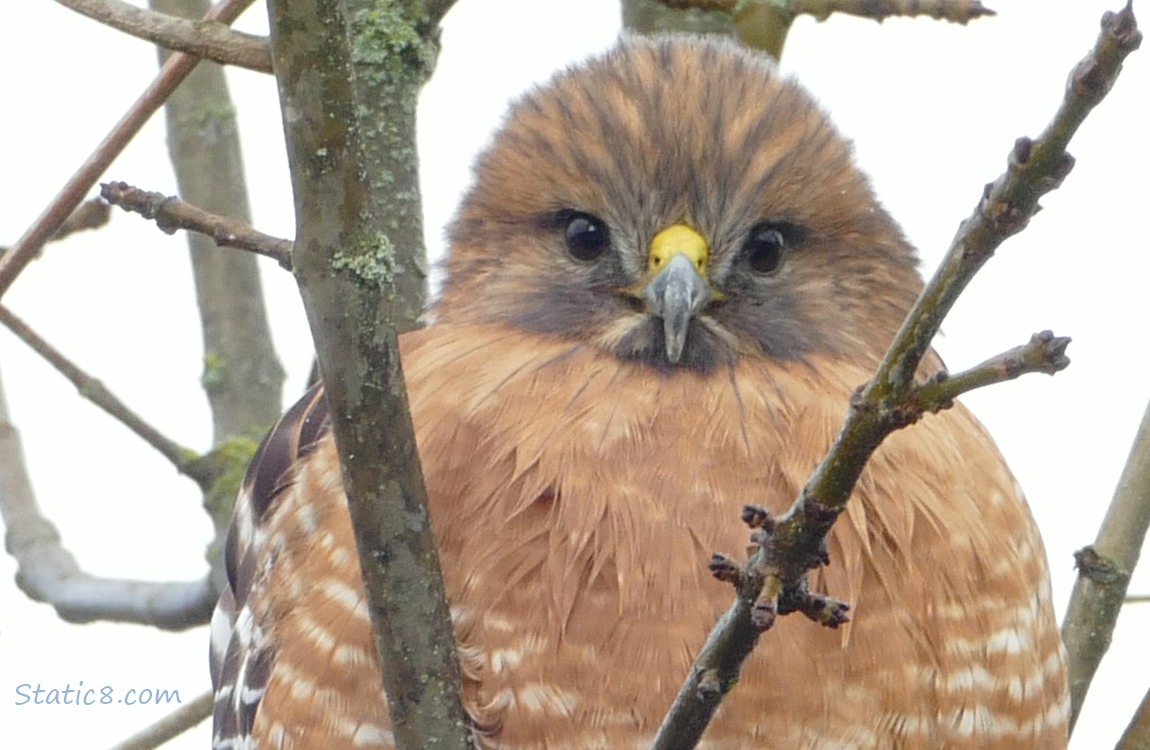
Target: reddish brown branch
[171, 214]
[175, 70]
[211, 40]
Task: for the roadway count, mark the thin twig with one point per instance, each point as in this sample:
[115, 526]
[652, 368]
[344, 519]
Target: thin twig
[175, 70]
[185, 460]
[1045, 352]
[170, 214]
[210, 40]
[956, 11]
[174, 724]
[773, 581]
[91, 214]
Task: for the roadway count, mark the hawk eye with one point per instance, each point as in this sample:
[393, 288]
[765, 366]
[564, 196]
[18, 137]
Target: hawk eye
[586, 237]
[764, 249]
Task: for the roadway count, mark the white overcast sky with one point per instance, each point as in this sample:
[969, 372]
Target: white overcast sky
[933, 109]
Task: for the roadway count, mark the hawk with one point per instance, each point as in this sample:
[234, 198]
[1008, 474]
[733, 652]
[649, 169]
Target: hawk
[661, 290]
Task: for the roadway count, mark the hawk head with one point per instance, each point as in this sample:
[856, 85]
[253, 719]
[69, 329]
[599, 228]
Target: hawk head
[683, 205]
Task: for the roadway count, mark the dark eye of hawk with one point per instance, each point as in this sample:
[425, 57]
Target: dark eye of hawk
[765, 248]
[586, 236]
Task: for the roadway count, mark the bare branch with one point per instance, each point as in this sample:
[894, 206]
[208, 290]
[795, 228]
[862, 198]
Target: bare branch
[1137, 734]
[70, 196]
[1045, 352]
[764, 24]
[46, 576]
[47, 572]
[91, 214]
[360, 262]
[1104, 570]
[174, 724]
[774, 581]
[956, 11]
[171, 214]
[185, 460]
[210, 40]
[723, 5]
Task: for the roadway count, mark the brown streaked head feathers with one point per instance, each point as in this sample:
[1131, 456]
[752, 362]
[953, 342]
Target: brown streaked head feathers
[651, 135]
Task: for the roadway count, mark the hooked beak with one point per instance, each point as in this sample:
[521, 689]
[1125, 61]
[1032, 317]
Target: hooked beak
[677, 290]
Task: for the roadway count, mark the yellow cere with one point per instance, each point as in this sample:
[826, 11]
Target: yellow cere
[678, 238]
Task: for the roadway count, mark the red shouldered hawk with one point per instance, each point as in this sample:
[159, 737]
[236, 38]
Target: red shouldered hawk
[661, 291]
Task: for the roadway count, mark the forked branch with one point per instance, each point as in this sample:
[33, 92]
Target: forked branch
[773, 581]
[212, 40]
[175, 70]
